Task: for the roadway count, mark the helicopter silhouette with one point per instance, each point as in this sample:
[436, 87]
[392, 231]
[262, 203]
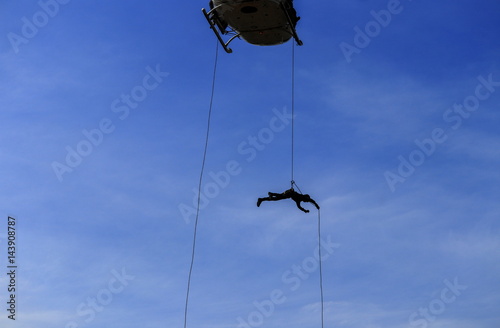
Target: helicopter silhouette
[258, 22]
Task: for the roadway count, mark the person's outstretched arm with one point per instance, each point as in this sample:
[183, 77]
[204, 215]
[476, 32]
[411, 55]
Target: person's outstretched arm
[301, 208]
[315, 204]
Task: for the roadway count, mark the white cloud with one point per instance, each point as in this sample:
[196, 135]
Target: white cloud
[473, 246]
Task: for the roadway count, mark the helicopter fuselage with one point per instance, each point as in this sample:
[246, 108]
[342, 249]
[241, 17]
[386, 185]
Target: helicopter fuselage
[259, 22]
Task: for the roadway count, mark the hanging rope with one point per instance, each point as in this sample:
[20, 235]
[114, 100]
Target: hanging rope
[292, 183]
[295, 184]
[199, 185]
[320, 270]
[293, 109]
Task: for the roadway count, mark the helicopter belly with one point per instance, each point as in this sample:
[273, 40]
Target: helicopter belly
[260, 22]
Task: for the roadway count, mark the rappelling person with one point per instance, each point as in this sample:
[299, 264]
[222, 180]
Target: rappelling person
[290, 193]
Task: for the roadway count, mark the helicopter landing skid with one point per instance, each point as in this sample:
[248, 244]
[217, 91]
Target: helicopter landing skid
[214, 22]
[292, 26]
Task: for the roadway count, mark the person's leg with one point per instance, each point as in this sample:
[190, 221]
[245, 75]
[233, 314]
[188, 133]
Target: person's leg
[260, 200]
[274, 197]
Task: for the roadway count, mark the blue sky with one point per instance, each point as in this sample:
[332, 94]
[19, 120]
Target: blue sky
[104, 109]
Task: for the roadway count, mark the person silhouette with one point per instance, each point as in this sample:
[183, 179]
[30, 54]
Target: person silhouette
[290, 193]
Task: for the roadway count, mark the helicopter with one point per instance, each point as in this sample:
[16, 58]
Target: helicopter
[259, 22]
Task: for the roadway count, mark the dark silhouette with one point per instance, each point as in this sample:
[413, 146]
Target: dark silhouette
[287, 5]
[291, 12]
[290, 193]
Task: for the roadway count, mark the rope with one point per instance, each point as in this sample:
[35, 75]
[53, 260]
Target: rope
[199, 185]
[320, 270]
[293, 107]
[295, 184]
